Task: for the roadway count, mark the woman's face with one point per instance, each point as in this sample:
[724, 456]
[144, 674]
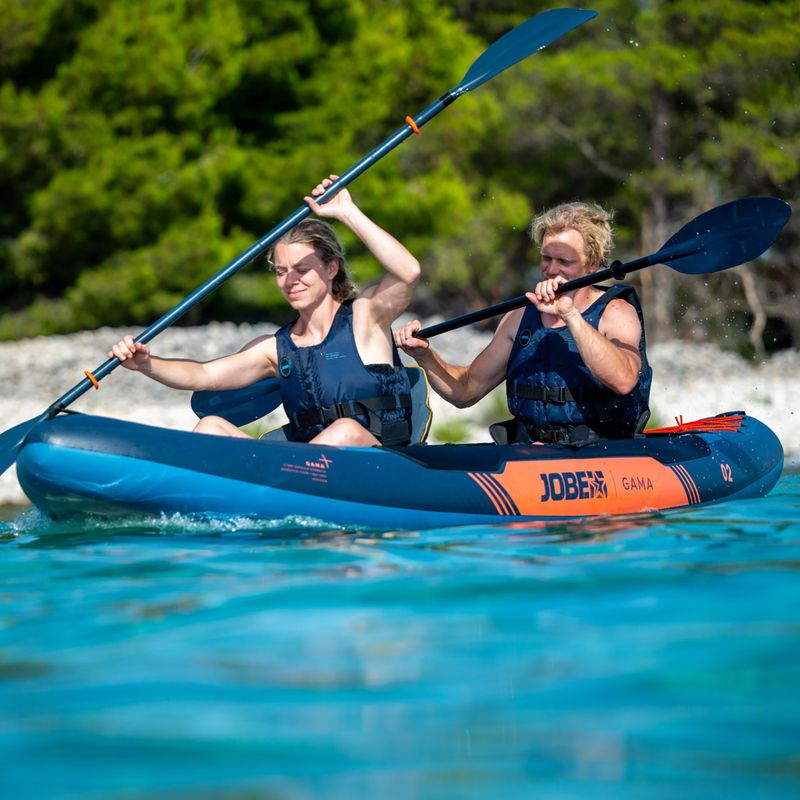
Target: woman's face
[302, 277]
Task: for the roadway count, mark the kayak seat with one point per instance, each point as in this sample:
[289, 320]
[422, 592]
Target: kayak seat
[421, 414]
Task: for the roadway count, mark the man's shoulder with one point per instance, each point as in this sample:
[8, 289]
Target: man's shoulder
[621, 305]
[508, 325]
[619, 313]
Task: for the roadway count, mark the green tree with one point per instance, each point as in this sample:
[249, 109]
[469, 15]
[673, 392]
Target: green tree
[667, 109]
[146, 122]
[143, 146]
[219, 117]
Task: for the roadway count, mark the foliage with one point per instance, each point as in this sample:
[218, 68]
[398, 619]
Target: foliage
[673, 107]
[144, 145]
[454, 431]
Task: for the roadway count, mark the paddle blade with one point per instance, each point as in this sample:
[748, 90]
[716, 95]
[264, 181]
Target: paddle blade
[11, 441]
[524, 40]
[239, 406]
[726, 236]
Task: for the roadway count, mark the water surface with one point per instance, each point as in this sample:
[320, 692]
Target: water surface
[645, 657]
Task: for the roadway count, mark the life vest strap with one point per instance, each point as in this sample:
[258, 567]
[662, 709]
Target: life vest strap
[368, 407]
[554, 394]
[572, 434]
[517, 431]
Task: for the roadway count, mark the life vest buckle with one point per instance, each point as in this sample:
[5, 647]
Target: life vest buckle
[556, 394]
[345, 409]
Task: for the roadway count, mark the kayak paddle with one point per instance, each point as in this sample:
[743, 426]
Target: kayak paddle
[239, 406]
[723, 237]
[524, 40]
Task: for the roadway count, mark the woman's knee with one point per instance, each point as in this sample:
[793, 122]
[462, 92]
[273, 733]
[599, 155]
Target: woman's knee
[345, 432]
[217, 426]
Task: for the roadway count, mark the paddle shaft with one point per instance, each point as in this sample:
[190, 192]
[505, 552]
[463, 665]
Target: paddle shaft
[617, 270]
[259, 247]
[520, 42]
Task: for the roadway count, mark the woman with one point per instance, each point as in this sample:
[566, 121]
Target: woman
[341, 379]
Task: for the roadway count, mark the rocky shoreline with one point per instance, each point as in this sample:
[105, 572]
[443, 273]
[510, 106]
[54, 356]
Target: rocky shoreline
[690, 379]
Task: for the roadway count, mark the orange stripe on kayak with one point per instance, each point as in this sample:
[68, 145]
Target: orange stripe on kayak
[691, 487]
[508, 500]
[495, 492]
[491, 492]
[695, 490]
[686, 485]
[490, 483]
[586, 487]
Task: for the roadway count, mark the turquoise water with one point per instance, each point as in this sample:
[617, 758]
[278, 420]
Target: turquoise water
[646, 657]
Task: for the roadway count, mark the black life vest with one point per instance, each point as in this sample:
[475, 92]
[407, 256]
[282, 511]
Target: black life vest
[554, 395]
[328, 381]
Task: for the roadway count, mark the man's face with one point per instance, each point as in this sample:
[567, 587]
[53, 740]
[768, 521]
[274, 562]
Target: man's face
[564, 254]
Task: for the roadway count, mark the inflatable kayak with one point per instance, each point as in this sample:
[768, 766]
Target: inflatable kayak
[77, 463]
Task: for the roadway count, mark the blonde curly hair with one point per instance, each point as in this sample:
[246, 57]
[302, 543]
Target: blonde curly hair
[591, 221]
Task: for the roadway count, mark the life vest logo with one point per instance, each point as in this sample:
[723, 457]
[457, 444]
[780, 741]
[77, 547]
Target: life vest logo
[525, 337]
[581, 485]
[285, 367]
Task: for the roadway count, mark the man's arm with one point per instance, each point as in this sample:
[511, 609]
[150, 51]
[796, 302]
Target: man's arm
[611, 352]
[462, 386]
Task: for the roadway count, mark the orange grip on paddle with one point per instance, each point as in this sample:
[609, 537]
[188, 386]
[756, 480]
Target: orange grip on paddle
[413, 125]
[92, 378]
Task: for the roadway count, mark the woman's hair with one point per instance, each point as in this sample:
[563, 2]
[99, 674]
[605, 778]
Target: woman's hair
[328, 247]
[591, 221]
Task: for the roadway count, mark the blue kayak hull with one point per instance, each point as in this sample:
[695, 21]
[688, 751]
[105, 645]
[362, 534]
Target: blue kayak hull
[78, 464]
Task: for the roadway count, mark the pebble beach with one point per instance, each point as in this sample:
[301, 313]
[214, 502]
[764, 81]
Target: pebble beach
[691, 380]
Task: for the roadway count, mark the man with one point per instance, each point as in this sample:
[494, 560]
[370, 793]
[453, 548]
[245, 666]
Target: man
[575, 364]
[341, 380]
